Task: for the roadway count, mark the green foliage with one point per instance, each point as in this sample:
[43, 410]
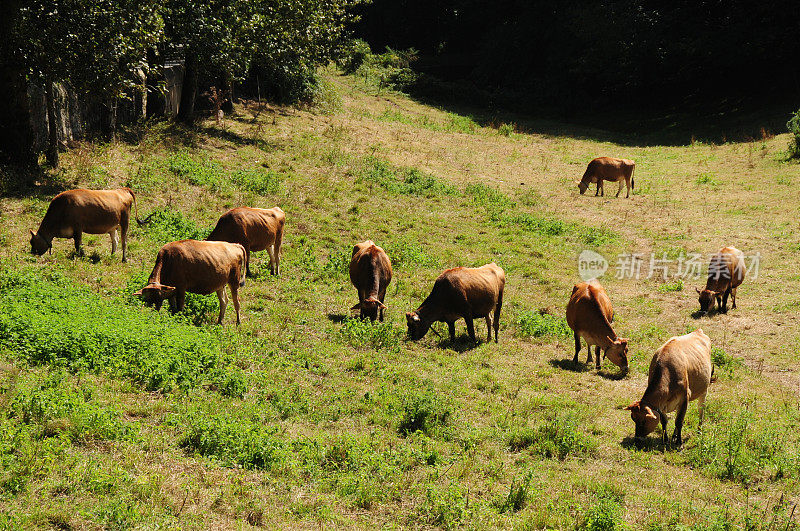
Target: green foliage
[793, 125]
[728, 363]
[58, 406]
[675, 285]
[506, 129]
[195, 171]
[517, 495]
[405, 253]
[95, 334]
[362, 333]
[746, 447]
[536, 324]
[355, 53]
[169, 225]
[404, 181]
[233, 443]
[605, 515]
[707, 178]
[390, 70]
[555, 436]
[426, 411]
[444, 507]
[262, 182]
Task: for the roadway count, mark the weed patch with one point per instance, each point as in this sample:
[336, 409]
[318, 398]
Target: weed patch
[425, 411]
[362, 333]
[404, 181]
[533, 324]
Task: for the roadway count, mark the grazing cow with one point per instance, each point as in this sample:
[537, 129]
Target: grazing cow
[461, 292]
[74, 212]
[255, 229]
[608, 169]
[589, 315]
[680, 372]
[370, 273]
[725, 273]
[197, 267]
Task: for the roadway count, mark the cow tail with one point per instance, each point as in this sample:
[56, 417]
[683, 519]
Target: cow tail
[713, 378]
[633, 170]
[243, 268]
[136, 215]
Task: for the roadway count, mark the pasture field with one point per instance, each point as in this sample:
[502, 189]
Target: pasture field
[116, 417]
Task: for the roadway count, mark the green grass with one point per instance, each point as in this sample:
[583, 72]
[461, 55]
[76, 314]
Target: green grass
[115, 416]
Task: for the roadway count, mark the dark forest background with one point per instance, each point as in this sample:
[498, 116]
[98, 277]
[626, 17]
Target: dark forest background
[578, 56]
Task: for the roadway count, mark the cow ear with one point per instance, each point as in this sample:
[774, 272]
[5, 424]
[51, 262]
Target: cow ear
[167, 291]
[382, 306]
[632, 406]
[697, 289]
[33, 234]
[138, 293]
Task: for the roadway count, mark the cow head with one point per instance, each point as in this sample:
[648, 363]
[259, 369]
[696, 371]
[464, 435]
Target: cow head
[618, 352]
[155, 293]
[39, 245]
[417, 327]
[369, 308]
[582, 186]
[707, 298]
[645, 418]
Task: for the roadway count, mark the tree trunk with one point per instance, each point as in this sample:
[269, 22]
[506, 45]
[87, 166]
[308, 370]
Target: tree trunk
[155, 79]
[227, 82]
[52, 131]
[108, 119]
[189, 90]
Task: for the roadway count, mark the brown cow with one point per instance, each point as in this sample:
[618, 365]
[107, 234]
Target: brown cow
[608, 169]
[74, 212]
[589, 315]
[461, 292]
[370, 273]
[725, 273]
[680, 372]
[197, 267]
[255, 229]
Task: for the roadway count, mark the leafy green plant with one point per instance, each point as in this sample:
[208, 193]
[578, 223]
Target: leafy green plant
[444, 507]
[169, 225]
[536, 324]
[793, 125]
[675, 285]
[604, 515]
[362, 333]
[424, 411]
[707, 178]
[555, 437]
[518, 495]
[506, 129]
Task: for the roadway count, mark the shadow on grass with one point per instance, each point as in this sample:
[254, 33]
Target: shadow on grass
[698, 314]
[460, 344]
[570, 365]
[237, 139]
[337, 318]
[651, 444]
[619, 375]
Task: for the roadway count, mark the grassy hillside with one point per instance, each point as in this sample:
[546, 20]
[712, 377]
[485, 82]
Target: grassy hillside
[115, 416]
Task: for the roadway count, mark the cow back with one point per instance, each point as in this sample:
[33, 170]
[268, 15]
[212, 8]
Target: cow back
[199, 266]
[89, 211]
[254, 228]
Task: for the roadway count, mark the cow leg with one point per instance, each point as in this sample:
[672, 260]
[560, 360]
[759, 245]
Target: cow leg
[620, 188]
[589, 355]
[247, 260]
[733, 297]
[597, 356]
[173, 304]
[451, 326]
[77, 237]
[235, 297]
[627, 187]
[470, 326]
[497, 308]
[676, 436]
[123, 229]
[180, 300]
[701, 403]
[223, 303]
[114, 240]
[489, 328]
[597, 189]
[276, 249]
[577, 347]
[602, 188]
[724, 305]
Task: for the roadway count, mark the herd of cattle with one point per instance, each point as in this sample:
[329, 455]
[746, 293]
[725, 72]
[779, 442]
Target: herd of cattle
[680, 371]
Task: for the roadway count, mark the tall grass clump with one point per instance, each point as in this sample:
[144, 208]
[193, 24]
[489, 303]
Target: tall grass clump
[194, 171]
[169, 225]
[554, 437]
[404, 181]
[426, 411]
[52, 321]
[234, 443]
[362, 333]
[259, 181]
[537, 324]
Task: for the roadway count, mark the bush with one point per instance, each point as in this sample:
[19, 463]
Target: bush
[354, 55]
[793, 125]
[391, 69]
[170, 225]
[537, 324]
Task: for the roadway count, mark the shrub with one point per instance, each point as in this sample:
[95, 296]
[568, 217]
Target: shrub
[676, 285]
[706, 178]
[391, 69]
[354, 55]
[506, 129]
[537, 324]
[424, 411]
[793, 125]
